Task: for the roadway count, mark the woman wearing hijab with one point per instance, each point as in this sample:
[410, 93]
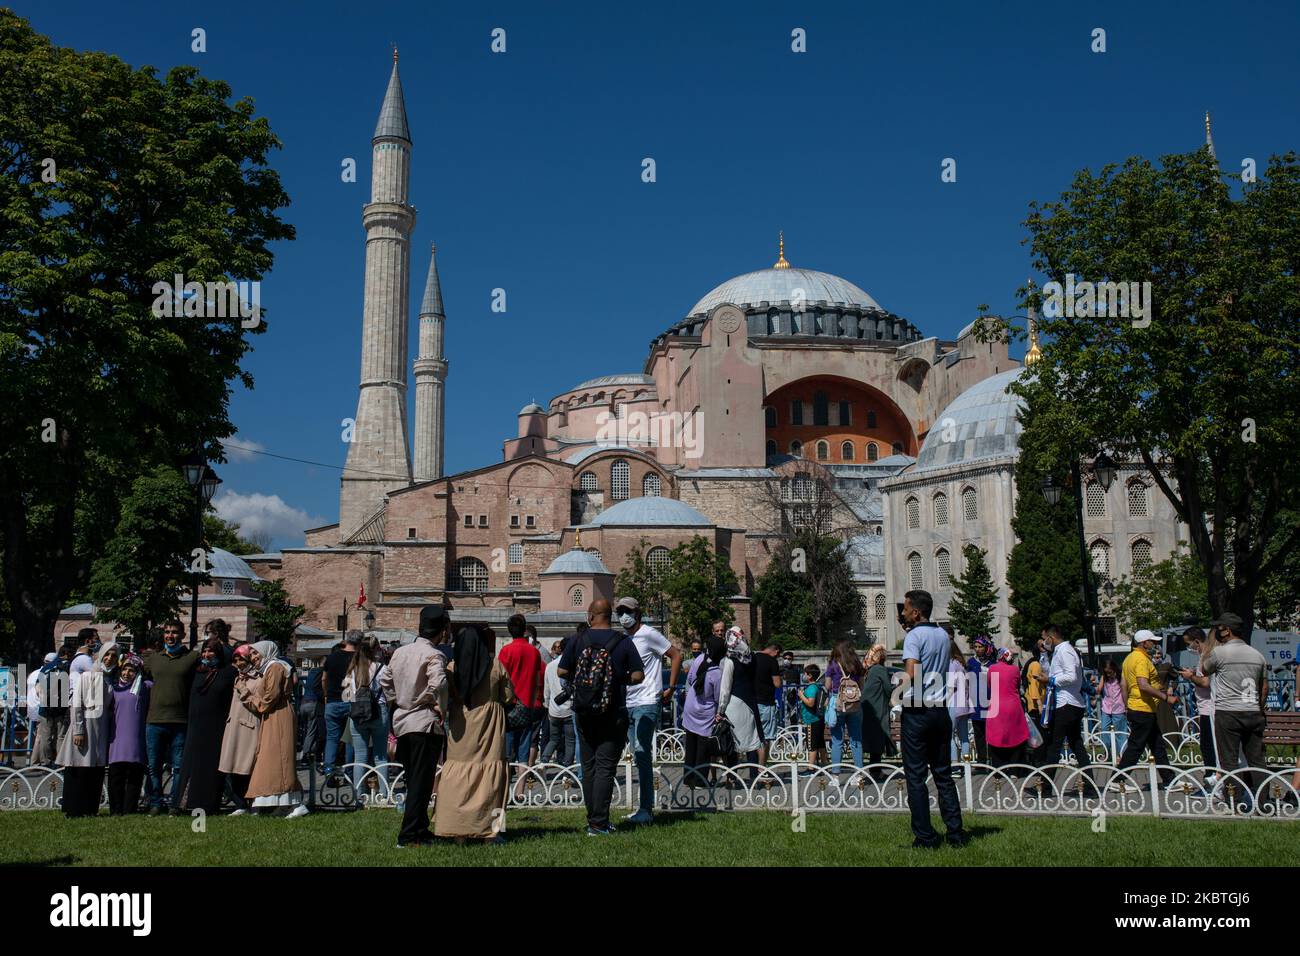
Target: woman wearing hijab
[1006, 727]
[737, 698]
[703, 694]
[84, 753]
[239, 741]
[127, 756]
[476, 774]
[274, 781]
[202, 784]
[876, 734]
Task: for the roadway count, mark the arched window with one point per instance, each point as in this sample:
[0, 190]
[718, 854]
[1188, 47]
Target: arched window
[1100, 552]
[873, 451]
[914, 571]
[588, 481]
[471, 575]
[769, 414]
[656, 562]
[846, 451]
[871, 418]
[845, 417]
[940, 508]
[771, 447]
[1141, 550]
[796, 412]
[880, 607]
[821, 411]
[796, 448]
[823, 451]
[913, 513]
[618, 479]
[943, 568]
[577, 598]
[970, 504]
[1096, 500]
[650, 486]
[516, 554]
[896, 448]
[1137, 499]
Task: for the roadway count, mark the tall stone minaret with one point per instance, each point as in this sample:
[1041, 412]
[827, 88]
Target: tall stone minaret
[378, 457]
[430, 374]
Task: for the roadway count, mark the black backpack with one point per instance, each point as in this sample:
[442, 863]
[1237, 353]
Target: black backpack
[593, 679]
[56, 692]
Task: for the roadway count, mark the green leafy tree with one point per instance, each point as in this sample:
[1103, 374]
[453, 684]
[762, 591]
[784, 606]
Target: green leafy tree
[1200, 388]
[143, 572]
[640, 581]
[807, 589]
[973, 607]
[277, 619]
[219, 533]
[696, 588]
[1161, 595]
[151, 178]
[1044, 570]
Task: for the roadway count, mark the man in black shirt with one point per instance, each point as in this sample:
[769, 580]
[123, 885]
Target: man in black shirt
[767, 680]
[602, 735]
[336, 708]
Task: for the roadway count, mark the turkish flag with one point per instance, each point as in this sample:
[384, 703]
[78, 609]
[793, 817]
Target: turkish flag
[361, 601]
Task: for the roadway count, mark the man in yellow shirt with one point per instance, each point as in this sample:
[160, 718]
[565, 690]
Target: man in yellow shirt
[1143, 691]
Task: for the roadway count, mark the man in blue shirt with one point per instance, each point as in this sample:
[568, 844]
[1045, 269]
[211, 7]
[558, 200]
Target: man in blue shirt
[926, 725]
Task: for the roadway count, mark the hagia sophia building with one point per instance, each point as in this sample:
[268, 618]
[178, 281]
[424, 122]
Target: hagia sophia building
[769, 371]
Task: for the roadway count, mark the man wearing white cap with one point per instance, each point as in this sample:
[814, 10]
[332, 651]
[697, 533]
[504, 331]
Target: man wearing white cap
[645, 699]
[1144, 691]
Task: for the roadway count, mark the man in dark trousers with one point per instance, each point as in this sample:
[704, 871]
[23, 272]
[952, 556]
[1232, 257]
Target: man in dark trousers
[926, 725]
[411, 684]
[602, 728]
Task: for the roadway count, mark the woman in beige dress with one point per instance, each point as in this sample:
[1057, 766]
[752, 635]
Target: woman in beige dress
[239, 742]
[274, 782]
[475, 778]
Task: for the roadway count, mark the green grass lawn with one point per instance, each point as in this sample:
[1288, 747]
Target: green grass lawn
[552, 838]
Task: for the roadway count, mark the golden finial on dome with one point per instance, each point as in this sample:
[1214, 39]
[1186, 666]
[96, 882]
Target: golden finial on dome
[1034, 353]
[780, 255]
[577, 540]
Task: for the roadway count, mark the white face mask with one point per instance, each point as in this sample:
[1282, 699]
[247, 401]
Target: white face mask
[627, 620]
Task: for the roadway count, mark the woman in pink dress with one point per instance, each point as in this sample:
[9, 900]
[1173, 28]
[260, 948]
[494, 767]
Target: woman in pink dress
[1006, 726]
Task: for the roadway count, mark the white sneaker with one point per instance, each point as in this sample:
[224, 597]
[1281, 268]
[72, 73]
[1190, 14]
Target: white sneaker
[299, 811]
[238, 813]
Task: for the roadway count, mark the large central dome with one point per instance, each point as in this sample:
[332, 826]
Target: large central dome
[785, 284]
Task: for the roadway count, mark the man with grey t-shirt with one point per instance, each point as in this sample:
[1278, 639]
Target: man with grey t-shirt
[1240, 690]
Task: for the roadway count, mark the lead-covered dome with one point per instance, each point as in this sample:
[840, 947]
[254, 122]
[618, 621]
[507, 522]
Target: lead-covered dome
[981, 423]
[788, 285]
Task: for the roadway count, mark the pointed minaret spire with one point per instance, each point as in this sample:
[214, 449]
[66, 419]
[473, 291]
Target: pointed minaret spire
[379, 458]
[430, 379]
[780, 253]
[1034, 353]
[1209, 140]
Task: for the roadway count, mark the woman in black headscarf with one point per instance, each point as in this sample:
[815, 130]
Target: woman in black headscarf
[476, 775]
[201, 784]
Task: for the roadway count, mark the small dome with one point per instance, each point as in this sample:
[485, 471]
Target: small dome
[649, 512]
[979, 424]
[577, 562]
[532, 408]
[785, 285]
[227, 565]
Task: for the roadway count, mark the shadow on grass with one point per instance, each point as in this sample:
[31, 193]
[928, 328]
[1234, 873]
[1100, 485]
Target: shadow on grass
[52, 861]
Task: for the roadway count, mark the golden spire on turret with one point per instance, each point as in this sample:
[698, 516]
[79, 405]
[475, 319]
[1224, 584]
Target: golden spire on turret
[1034, 353]
[577, 540]
[780, 255]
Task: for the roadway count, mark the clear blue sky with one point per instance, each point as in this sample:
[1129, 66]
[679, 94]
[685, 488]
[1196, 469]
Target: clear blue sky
[527, 168]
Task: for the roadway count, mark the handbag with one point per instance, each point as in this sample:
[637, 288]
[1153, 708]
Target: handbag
[518, 716]
[723, 738]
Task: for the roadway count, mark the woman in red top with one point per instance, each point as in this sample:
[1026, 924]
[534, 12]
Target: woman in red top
[1006, 726]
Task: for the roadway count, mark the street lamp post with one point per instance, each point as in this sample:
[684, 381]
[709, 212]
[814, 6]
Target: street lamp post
[203, 481]
[1103, 469]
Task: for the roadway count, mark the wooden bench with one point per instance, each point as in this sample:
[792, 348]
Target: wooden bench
[1282, 729]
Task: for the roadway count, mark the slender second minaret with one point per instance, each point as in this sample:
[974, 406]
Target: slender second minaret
[430, 374]
[378, 457]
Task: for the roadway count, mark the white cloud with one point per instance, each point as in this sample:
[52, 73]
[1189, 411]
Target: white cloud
[265, 515]
[242, 449]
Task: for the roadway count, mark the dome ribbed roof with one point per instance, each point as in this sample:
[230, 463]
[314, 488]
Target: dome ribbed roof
[980, 423]
[227, 565]
[785, 285]
[651, 511]
[577, 562]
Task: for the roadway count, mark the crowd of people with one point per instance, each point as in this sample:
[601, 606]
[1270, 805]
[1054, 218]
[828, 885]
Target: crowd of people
[177, 729]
